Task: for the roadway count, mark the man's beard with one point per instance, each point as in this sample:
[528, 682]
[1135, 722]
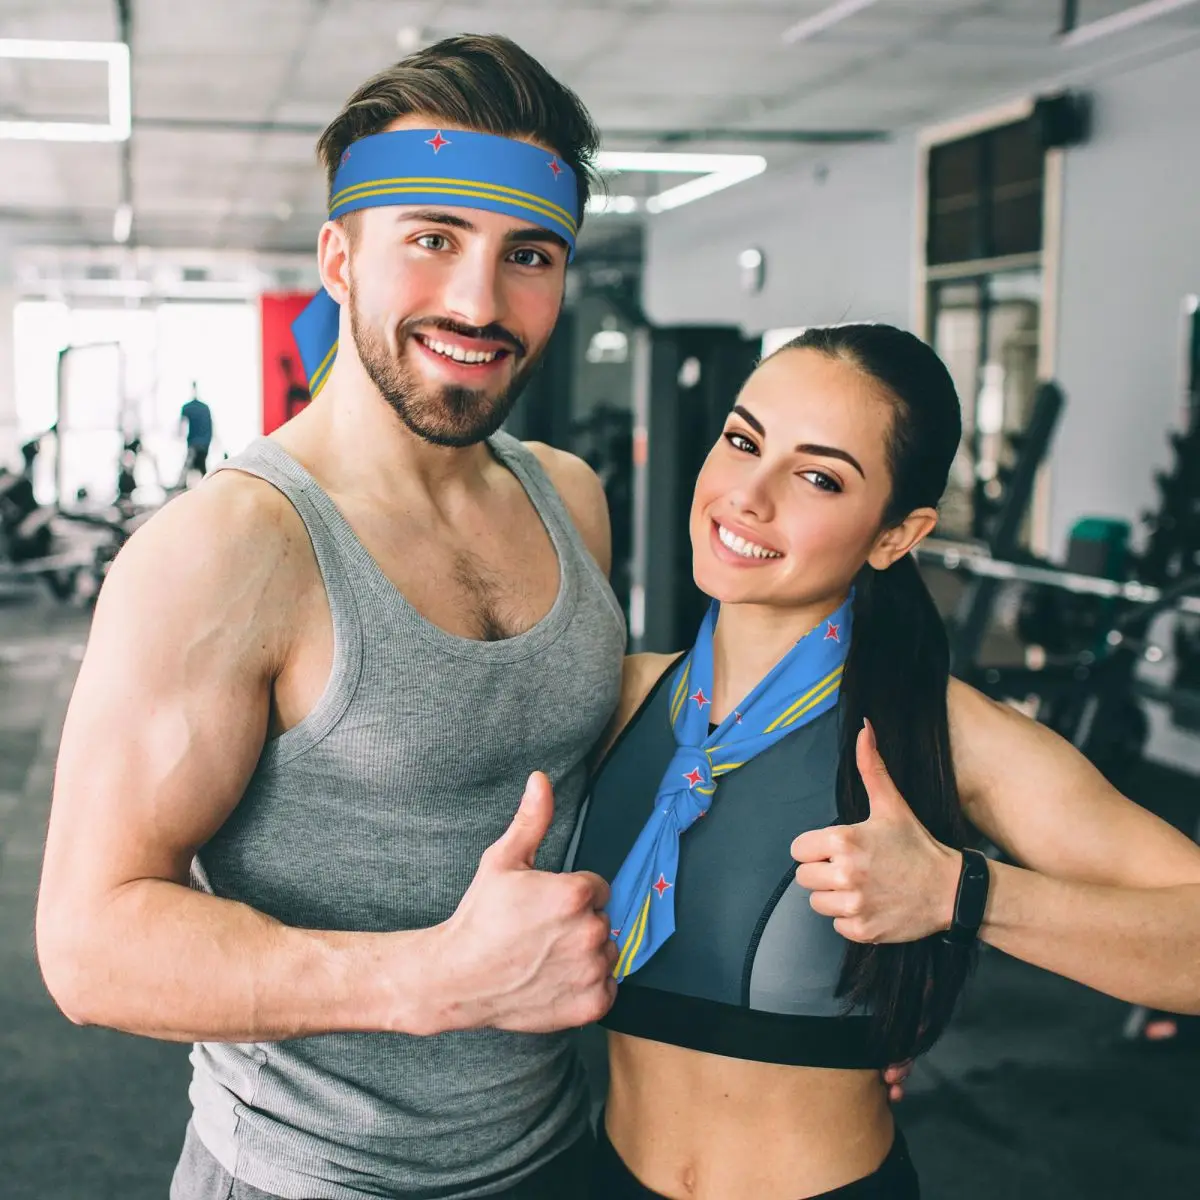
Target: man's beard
[445, 416]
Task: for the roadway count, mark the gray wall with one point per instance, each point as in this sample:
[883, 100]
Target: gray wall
[1131, 252]
[842, 247]
[837, 235]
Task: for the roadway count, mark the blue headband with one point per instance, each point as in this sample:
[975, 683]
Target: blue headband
[453, 170]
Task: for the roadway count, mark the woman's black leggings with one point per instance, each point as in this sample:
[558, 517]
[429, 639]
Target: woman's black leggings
[896, 1178]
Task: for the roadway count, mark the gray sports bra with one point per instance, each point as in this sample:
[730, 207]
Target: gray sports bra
[751, 971]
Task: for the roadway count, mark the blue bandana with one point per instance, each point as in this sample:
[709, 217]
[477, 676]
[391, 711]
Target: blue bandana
[800, 687]
[452, 170]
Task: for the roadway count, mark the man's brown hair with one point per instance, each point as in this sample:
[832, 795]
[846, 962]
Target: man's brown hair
[485, 83]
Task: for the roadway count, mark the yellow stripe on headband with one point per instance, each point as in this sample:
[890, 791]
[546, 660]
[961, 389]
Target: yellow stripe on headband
[537, 208]
[534, 204]
[433, 184]
[782, 719]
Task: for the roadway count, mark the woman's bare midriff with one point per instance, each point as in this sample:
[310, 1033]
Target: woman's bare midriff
[696, 1126]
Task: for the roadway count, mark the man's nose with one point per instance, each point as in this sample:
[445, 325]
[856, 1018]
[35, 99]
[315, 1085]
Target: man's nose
[473, 293]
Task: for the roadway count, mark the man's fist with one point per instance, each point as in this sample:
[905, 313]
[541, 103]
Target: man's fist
[528, 950]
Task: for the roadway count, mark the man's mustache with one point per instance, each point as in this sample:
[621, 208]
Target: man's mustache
[492, 333]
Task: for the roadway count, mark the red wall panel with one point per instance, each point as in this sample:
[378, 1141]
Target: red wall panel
[284, 389]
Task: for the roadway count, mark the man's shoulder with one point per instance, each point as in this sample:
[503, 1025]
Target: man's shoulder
[233, 526]
[568, 472]
[582, 493]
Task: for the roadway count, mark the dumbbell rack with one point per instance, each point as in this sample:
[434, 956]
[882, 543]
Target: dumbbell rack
[1088, 697]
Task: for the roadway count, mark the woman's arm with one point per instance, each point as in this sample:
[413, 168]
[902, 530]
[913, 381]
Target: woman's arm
[1106, 894]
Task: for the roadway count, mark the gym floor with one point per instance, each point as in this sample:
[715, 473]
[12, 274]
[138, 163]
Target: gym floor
[1031, 1094]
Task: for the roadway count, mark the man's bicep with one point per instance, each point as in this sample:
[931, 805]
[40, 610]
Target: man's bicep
[165, 725]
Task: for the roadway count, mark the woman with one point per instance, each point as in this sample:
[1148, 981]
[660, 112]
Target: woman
[759, 998]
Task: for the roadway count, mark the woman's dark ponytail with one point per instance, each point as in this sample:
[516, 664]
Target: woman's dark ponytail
[897, 674]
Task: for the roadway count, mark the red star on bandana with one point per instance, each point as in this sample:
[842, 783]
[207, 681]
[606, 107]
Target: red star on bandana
[737, 718]
[661, 886]
[694, 777]
[616, 933]
[700, 698]
[831, 634]
[553, 165]
[437, 141]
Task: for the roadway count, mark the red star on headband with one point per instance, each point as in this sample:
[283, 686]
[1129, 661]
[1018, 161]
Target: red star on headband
[661, 886]
[700, 698]
[345, 157]
[437, 141]
[554, 166]
[832, 633]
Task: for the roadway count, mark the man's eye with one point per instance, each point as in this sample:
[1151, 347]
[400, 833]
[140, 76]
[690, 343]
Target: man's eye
[439, 240]
[526, 257]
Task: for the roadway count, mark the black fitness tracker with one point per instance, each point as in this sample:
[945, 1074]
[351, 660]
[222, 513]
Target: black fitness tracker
[971, 900]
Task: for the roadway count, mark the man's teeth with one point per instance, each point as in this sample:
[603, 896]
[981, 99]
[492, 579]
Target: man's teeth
[458, 353]
[746, 549]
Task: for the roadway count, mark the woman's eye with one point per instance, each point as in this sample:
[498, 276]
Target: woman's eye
[739, 441]
[529, 258]
[439, 240]
[826, 483]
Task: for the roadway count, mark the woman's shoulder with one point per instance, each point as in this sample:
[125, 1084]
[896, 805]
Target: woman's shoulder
[639, 674]
[638, 678]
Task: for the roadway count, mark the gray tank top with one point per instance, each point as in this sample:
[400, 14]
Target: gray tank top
[372, 815]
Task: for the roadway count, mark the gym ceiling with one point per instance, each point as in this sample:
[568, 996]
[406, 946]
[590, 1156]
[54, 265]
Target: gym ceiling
[228, 96]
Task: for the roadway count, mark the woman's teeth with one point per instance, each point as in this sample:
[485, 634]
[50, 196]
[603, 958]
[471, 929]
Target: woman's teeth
[458, 353]
[746, 549]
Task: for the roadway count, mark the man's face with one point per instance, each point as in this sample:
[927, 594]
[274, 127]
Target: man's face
[450, 309]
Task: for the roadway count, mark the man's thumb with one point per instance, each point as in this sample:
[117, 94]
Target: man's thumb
[519, 844]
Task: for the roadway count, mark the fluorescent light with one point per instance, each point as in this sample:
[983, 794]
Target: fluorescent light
[120, 102]
[694, 189]
[63, 51]
[122, 223]
[652, 160]
[716, 171]
[1120, 21]
[821, 21]
[612, 204]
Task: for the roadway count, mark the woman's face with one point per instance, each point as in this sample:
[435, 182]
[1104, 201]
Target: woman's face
[788, 504]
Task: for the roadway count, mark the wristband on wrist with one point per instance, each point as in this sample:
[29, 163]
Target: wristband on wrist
[970, 900]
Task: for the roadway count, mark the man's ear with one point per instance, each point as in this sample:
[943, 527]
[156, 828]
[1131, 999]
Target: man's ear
[893, 544]
[333, 260]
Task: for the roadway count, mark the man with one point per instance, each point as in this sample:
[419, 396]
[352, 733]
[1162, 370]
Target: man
[316, 688]
[197, 416]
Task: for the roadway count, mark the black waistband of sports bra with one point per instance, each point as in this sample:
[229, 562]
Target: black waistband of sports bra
[747, 1033]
